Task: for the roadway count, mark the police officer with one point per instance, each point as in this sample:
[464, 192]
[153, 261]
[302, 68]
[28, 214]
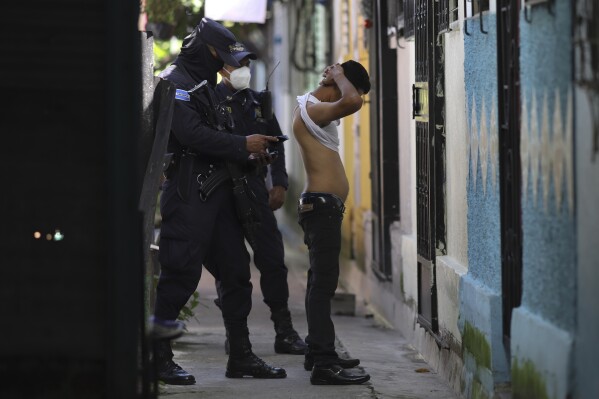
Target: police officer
[199, 220]
[245, 107]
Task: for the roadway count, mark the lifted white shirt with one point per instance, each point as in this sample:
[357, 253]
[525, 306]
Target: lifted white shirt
[326, 135]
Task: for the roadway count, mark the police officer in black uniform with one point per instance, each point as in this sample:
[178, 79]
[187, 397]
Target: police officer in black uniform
[245, 107]
[199, 219]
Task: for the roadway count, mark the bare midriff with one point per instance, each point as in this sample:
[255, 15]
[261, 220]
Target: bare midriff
[324, 170]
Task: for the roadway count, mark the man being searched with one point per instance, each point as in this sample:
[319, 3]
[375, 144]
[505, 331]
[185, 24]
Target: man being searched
[198, 206]
[249, 116]
[320, 210]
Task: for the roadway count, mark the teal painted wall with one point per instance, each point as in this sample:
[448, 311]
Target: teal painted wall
[549, 245]
[480, 64]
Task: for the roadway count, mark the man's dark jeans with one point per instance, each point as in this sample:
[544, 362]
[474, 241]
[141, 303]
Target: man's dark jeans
[320, 215]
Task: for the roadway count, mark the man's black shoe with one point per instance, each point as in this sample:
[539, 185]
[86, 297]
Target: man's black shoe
[172, 374]
[252, 366]
[344, 363]
[335, 375]
[291, 344]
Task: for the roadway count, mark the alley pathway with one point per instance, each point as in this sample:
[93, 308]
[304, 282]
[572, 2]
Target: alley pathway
[396, 370]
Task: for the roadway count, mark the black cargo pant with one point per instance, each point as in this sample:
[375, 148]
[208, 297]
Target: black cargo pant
[269, 253]
[197, 232]
[320, 215]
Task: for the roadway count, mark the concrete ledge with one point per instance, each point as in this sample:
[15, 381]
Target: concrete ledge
[449, 274]
[548, 350]
[481, 326]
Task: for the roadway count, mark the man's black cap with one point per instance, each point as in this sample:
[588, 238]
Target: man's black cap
[224, 42]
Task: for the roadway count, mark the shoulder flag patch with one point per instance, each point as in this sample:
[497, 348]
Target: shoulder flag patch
[182, 95]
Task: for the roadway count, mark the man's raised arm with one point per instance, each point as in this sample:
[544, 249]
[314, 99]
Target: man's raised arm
[324, 113]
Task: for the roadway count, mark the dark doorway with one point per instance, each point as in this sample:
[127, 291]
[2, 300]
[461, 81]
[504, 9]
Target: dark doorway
[384, 141]
[510, 170]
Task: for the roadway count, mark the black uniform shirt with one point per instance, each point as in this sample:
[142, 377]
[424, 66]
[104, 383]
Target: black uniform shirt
[190, 126]
[245, 108]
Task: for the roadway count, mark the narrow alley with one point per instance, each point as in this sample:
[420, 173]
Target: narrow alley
[452, 145]
[396, 369]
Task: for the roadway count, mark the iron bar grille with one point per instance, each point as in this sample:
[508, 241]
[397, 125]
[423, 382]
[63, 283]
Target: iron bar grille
[430, 154]
[421, 26]
[442, 14]
[437, 144]
[453, 10]
[409, 28]
[427, 302]
[423, 150]
[423, 194]
[509, 157]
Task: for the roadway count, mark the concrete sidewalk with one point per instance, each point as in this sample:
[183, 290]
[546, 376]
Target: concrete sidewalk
[396, 370]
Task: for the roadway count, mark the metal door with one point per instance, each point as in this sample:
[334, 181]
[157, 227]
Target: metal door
[508, 44]
[430, 153]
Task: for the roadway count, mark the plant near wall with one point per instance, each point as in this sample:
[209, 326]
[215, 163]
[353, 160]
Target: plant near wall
[187, 312]
[167, 18]
[170, 21]
[163, 11]
[165, 52]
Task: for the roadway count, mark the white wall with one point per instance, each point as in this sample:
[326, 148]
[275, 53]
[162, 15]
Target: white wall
[456, 147]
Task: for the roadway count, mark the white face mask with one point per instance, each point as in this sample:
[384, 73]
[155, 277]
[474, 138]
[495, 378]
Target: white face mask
[240, 78]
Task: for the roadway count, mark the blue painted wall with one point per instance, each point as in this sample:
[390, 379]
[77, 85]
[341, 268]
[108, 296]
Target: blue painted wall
[549, 258]
[480, 288]
[480, 64]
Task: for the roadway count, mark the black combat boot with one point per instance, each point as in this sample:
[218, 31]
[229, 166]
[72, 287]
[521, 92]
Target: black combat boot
[344, 363]
[287, 339]
[168, 371]
[218, 305]
[242, 361]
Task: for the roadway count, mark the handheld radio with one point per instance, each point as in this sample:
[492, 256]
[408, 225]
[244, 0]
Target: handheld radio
[266, 98]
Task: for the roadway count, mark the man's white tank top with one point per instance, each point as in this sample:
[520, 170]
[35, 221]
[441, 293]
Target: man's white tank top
[326, 135]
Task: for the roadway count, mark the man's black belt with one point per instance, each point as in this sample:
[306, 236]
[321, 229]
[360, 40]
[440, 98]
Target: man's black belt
[315, 200]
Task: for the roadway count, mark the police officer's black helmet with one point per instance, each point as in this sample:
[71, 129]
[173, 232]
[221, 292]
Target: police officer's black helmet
[225, 43]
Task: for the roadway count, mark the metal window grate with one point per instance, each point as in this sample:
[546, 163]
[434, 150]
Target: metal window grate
[409, 19]
[428, 109]
[442, 16]
[453, 11]
[424, 159]
[421, 26]
[423, 193]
